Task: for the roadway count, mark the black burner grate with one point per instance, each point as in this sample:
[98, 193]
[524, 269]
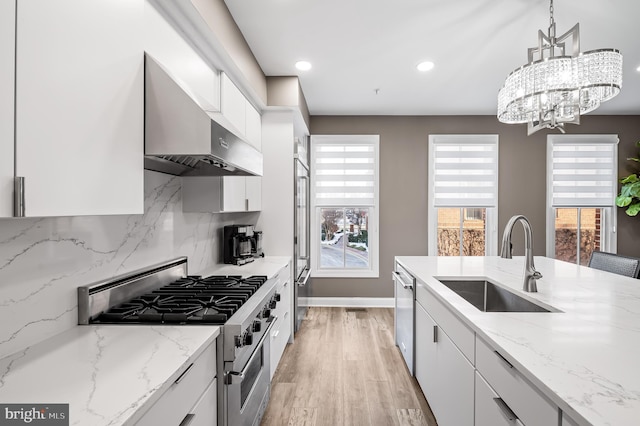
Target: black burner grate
[189, 300]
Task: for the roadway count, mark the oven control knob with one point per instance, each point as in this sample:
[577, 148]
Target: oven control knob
[272, 303]
[277, 296]
[266, 313]
[239, 341]
[256, 326]
[248, 338]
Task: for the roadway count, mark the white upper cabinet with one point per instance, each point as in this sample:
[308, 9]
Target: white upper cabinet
[176, 55]
[234, 194]
[7, 63]
[233, 105]
[221, 194]
[254, 126]
[253, 193]
[79, 106]
[245, 120]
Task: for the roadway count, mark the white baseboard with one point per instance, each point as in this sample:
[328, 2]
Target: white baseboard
[348, 302]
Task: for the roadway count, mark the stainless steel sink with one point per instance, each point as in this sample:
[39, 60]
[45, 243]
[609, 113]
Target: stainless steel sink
[488, 297]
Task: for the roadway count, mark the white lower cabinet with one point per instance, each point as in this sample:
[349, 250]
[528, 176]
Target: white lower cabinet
[205, 412]
[425, 366]
[191, 398]
[282, 329]
[465, 380]
[491, 410]
[526, 401]
[445, 375]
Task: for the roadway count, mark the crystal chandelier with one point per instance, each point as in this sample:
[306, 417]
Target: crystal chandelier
[555, 88]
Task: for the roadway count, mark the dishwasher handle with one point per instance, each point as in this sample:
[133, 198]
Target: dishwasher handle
[397, 276]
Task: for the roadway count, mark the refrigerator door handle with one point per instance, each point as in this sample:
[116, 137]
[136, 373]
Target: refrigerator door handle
[304, 281]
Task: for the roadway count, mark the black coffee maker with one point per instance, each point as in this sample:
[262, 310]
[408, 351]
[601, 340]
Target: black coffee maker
[237, 243]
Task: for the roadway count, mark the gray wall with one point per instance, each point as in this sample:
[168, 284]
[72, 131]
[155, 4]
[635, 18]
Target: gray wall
[403, 183]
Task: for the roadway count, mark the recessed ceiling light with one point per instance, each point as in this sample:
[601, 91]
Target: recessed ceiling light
[303, 65]
[638, 69]
[425, 66]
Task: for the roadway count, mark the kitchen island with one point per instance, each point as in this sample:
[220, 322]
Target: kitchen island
[584, 359]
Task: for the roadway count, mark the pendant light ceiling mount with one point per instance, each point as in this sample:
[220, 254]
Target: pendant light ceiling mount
[559, 83]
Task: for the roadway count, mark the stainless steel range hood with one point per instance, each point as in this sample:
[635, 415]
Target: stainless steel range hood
[181, 138]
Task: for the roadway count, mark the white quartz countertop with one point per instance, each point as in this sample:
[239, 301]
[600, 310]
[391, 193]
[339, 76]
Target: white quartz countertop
[268, 265]
[109, 375]
[586, 358]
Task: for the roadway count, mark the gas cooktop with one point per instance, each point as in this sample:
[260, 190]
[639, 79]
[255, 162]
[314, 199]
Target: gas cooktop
[189, 300]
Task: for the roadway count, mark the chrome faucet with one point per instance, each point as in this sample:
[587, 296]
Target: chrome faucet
[530, 273]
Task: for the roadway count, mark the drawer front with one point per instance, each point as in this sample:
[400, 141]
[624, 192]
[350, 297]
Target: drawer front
[527, 402]
[283, 275]
[462, 336]
[284, 305]
[279, 339]
[491, 410]
[174, 405]
[205, 412]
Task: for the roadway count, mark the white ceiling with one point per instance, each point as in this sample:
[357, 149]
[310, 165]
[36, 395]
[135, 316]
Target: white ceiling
[357, 46]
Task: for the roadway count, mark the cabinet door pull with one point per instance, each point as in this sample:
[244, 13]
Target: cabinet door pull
[275, 334]
[187, 420]
[246, 204]
[508, 412]
[435, 334]
[503, 359]
[184, 373]
[18, 196]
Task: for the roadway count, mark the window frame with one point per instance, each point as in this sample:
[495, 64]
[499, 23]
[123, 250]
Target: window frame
[373, 232]
[491, 224]
[609, 238]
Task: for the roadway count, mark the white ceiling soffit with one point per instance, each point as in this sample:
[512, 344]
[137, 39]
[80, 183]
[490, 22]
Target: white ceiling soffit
[358, 46]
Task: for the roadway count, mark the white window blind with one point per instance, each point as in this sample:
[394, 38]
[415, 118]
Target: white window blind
[465, 170]
[344, 170]
[584, 170]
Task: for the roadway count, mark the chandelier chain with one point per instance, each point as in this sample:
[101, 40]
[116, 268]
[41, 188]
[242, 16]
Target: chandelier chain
[552, 22]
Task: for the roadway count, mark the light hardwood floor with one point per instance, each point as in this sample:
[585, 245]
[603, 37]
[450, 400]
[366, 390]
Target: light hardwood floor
[344, 369]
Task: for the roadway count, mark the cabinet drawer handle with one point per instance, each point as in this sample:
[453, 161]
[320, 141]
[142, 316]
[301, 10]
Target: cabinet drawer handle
[503, 359]
[435, 334]
[184, 373]
[187, 420]
[508, 412]
[285, 314]
[275, 334]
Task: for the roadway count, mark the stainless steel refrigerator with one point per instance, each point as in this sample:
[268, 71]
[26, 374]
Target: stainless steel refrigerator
[301, 216]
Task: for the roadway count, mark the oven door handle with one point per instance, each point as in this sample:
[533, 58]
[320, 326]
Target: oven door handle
[235, 377]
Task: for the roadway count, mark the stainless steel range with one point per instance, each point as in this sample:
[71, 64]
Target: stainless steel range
[165, 294]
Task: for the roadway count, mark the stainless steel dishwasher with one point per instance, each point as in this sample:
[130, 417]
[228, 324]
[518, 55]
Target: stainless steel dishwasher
[404, 285]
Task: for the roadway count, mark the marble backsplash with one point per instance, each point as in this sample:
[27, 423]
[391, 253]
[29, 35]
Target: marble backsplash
[44, 260]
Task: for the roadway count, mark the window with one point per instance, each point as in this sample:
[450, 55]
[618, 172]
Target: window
[581, 189]
[463, 195]
[344, 208]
